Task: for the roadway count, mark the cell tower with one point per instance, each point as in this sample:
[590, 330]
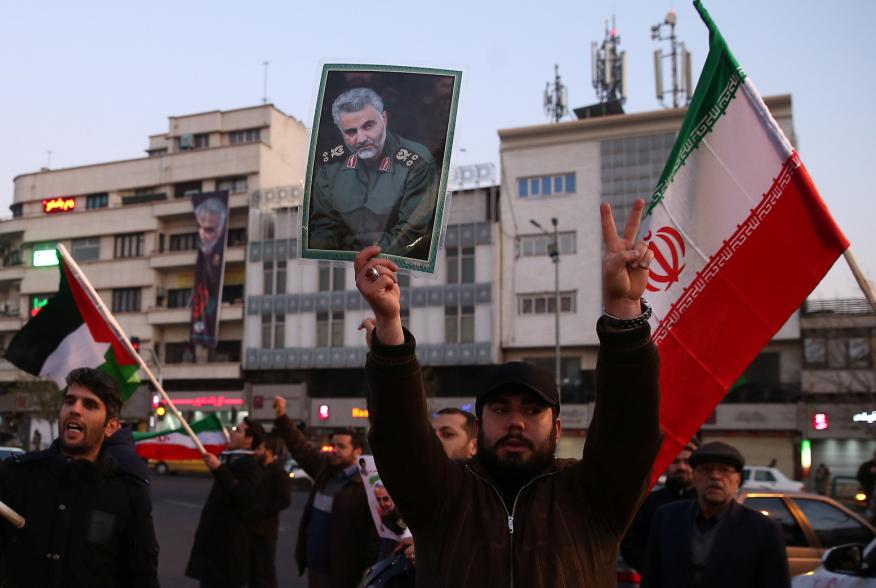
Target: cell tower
[556, 98]
[678, 56]
[609, 67]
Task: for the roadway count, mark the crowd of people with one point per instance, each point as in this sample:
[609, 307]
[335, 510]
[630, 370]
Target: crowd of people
[486, 501]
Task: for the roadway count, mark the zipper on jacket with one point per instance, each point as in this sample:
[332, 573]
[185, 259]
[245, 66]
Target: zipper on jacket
[510, 515]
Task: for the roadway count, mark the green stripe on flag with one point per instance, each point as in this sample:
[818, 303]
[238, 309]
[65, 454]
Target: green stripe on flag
[716, 88]
[126, 376]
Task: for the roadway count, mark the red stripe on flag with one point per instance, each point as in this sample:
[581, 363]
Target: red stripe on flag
[97, 324]
[169, 452]
[738, 302]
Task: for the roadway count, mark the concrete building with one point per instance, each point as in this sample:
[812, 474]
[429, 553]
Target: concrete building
[302, 337]
[130, 226]
[564, 171]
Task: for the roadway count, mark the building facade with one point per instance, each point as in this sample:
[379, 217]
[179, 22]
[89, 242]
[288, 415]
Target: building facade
[130, 226]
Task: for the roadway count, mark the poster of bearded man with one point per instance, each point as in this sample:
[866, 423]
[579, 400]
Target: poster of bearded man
[378, 164]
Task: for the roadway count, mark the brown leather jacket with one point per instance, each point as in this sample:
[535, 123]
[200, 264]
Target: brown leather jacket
[353, 542]
[564, 527]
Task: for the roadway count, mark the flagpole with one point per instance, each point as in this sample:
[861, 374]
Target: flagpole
[866, 288]
[11, 516]
[126, 343]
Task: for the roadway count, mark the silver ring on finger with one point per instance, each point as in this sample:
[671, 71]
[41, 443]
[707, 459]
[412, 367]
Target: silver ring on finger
[372, 274]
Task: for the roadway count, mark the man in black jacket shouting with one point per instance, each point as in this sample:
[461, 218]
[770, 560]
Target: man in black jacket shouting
[88, 522]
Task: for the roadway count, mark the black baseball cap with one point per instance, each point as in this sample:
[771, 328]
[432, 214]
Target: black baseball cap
[519, 376]
[718, 452]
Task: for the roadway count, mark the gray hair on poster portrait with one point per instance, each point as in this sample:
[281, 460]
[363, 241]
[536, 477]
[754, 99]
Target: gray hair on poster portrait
[355, 100]
[212, 206]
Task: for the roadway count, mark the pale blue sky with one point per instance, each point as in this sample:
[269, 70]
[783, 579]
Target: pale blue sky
[90, 80]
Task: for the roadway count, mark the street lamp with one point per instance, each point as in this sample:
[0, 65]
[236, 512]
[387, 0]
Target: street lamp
[553, 250]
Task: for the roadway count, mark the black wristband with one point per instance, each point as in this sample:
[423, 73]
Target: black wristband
[619, 323]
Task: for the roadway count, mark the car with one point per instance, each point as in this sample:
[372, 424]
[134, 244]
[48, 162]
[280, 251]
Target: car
[767, 478]
[811, 523]
[844, 566]
[299, 478]
[7, 452]
[176, 466]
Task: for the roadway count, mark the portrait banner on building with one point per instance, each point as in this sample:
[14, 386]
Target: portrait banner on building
[379, 162]
[211, 214]
[386, 517]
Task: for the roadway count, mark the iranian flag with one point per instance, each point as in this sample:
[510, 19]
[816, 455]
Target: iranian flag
[740, 237]
[70, 332]
[176, 444]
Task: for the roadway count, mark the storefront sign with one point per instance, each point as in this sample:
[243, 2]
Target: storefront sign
[820, 421]
[59, 204]
[360, 413]
[214, 400]
[865, 417]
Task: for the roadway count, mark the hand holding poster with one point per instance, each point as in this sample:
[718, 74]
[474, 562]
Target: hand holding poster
[386, 517]
[378, 165]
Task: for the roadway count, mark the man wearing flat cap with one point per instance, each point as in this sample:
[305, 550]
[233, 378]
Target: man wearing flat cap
[514, 515]
[714, 541]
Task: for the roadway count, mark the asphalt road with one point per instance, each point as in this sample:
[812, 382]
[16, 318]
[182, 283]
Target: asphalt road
[177, 501]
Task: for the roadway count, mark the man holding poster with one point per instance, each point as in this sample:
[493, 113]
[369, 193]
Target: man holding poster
[211, 212]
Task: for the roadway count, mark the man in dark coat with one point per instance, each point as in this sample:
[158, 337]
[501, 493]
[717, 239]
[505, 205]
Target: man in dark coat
[88, 521]
[337, 540]
[713, 541]
[273, 495]
[679, 486]
[515, 515]
[220, 553]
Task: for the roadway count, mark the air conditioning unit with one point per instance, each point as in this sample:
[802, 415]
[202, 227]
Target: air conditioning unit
[187, 141]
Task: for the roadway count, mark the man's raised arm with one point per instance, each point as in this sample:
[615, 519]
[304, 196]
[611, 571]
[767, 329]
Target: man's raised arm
[410, 458]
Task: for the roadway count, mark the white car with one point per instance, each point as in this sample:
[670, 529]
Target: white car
[766, 478]
[844, 566]
[7, 452]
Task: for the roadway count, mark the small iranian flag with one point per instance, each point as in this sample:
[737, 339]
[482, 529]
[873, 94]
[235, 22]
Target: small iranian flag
[740, 237]
[176, 444]
[71, 332]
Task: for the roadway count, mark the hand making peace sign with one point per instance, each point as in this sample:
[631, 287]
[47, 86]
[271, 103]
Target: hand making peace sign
[625, 266]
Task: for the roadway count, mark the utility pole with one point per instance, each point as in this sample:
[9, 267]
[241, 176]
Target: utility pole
[553, 250]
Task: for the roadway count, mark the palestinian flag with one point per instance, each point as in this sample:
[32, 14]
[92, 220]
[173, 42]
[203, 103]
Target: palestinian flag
[71, 332]
[740, 237]
[176, 444]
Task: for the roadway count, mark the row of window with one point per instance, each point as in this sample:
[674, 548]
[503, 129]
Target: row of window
[202, 140]
[546, 303]
[131, 244]
[537, 245]
[848, 348]
[541, 186]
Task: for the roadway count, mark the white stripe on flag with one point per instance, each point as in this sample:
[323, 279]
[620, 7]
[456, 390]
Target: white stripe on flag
[78, 349]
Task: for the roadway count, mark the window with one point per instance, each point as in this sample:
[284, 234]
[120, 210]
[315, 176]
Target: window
[233, 184]
[776, 509]
[87, 249]
[184, 242]
[183, 189]
[179, 352]
[630, 168]
[236, 236]
[130, 245]
[764, 476]
[815, 351]
[16, 209]
[97, 200]
[537, 245]
[331, 278]
[460, 265]
[232, 293]
[280, 273]
[838, 348]
[126, 299]
[244, 136]
[273, 331]
[552, 185]
[330, 329]
[268, 277]
[831, 525]
[459, 324]
[157, 152]
[274, 277]
[179, 297]
[545, 303]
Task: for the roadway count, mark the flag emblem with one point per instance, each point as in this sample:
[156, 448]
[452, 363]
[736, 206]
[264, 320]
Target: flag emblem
[668, 247]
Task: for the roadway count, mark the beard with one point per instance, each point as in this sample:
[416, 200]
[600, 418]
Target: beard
[371, 149]
[514, 468]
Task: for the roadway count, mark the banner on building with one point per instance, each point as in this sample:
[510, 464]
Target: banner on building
[211, 214]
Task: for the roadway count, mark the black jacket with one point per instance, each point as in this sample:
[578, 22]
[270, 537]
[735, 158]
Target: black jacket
[220, 553]
[749, 550]
[272, 496]
[636, 540]
[121, 447]
[87, 523]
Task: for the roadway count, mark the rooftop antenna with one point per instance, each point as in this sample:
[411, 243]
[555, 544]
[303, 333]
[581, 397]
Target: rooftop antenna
[556, 103]
[678, 56]
[609, 67]
[265, 92]
[48, 160]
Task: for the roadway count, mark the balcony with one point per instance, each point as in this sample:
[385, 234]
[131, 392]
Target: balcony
[9, 373]
[10, 321]
[186, 259]
[175, 316]
[183, 206]
[201, 371]
[12, 273]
